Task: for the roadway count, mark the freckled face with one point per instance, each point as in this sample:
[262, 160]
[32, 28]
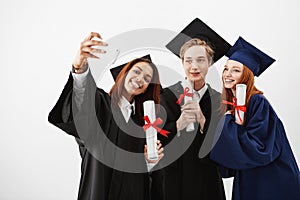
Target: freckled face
[232, 74]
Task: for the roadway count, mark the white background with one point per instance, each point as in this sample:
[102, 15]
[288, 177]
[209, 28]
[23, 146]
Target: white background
[39, 40]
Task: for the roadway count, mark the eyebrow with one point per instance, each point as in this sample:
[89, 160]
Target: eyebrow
[142, 70]
[189, 57]
[233, 66]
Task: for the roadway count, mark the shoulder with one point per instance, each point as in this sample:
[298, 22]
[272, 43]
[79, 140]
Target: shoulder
[102, 96]
[258, 99]
[259, 103]
[213, 92]
[173, 89]
[214, 95]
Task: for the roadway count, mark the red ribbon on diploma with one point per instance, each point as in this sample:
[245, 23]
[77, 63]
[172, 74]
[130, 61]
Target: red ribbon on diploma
[158, 121]
[239, 108]
[185, 93]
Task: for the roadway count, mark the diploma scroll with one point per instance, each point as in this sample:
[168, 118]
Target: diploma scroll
[151, 133]
[190, 85]
[240, 101]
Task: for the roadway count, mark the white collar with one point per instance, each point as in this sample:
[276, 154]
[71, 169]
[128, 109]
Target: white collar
[124, 106]
[202, 91]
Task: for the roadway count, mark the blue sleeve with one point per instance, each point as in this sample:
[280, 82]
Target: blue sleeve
[255, 144]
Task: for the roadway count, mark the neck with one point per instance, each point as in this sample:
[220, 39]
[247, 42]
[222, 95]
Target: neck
[233, 92]
[127, 96]
[199, 85]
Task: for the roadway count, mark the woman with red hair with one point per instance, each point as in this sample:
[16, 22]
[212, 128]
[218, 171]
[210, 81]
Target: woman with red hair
[255, 152]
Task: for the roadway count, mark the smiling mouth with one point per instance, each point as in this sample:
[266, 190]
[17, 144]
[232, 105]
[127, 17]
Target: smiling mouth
[228, 81]
[135, 85]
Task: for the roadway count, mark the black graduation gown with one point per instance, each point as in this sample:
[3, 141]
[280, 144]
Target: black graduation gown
[99, 181]
[190, 177]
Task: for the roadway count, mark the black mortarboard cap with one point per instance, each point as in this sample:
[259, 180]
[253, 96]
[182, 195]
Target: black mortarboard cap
[247, 54]
[116, 70]
[198, 29]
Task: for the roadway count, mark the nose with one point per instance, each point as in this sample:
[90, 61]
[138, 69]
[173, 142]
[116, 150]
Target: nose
[194, 65]
[140, 79]
[227, 73]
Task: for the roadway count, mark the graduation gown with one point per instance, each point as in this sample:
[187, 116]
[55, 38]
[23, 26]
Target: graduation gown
[257, 155]
[190, 177]
[102, 181]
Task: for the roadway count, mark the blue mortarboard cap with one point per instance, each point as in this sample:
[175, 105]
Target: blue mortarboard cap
[116, 70]
[198, 29]
[247, 54]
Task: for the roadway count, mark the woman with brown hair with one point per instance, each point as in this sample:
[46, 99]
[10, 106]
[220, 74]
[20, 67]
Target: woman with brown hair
[256, 152]
[109, 127]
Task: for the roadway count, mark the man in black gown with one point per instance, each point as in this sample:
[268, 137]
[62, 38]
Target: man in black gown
[191, 177]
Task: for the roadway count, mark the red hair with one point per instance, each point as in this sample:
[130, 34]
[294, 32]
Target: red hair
[247, 79]
[152, 92]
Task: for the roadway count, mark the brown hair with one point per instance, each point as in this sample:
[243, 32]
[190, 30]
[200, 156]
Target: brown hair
[152, 92]
[247, 79]
[194, 42]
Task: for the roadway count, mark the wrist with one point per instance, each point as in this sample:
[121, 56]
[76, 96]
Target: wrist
[202, 123]
[178, 126]
[80, 69]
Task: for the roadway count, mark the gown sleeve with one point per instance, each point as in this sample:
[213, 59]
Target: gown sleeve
[170, 113]
[66, 115]
[61, 114]
[253, 145]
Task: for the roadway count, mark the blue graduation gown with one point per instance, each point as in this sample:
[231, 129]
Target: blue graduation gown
[257, 155]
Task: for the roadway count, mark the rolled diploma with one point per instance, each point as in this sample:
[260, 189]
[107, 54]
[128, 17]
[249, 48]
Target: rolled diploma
[241, 99]
[151, 133]
[189, 84]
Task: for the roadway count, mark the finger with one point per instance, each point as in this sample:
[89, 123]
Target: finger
[190, 107]
[160, 150]
[189, 112]
[93, 43]
[160, 156]
[93, 50]
[190, 119]
[87, 55]
[189, 103]
[158, 146]
[92, 35]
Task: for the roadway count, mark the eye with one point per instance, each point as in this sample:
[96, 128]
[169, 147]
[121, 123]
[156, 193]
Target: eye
[136, 71]
[188, 61]
[147, 79]
[236, 70]
[225, 69]
[200, 60]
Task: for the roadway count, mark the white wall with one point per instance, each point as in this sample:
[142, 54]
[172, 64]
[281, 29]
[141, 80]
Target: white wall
[40, 38]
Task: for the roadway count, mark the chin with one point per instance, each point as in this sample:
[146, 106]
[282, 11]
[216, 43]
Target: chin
[226, 86]
[192, 78]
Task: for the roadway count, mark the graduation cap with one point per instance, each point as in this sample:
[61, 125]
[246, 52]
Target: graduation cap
[247, 54]
[198, 29]
[116, 70]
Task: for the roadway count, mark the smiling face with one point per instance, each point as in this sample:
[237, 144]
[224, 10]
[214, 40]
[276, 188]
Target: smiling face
[232, 74]
[137, 80]
[196, 63]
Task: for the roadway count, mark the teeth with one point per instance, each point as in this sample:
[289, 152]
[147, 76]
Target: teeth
[228, 80]
[135, 85]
